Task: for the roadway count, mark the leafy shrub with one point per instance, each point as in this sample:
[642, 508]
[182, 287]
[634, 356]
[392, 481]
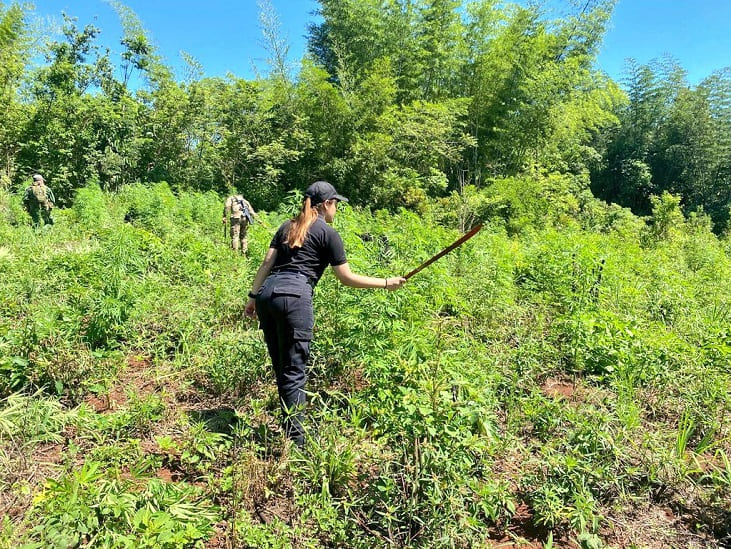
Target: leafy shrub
[90, 207]
[667, 217]
[231, 364]
[11, 210]
[150, 208]
[85, 507]
[531, 202]
[567, 276]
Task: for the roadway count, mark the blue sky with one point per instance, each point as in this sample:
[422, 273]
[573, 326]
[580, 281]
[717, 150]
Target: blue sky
[696, 32]
[224, 35]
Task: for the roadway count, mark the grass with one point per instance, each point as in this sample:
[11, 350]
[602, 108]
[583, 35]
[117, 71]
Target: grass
[551, 385]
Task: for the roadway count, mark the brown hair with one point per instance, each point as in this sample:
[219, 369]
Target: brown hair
[301, 224]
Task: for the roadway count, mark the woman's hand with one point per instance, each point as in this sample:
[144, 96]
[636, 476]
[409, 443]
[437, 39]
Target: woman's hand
[349, 278]
[250, 310]
[395, 283]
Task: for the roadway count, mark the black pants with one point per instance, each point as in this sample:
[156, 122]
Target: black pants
[284, 308]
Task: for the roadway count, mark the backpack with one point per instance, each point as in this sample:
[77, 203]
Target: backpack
[41, 195]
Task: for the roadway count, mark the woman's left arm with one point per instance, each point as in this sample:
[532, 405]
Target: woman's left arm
[261, 274]
[349, 278]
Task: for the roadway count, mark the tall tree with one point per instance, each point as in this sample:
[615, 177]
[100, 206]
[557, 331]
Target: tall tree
[523, 71]
[717, 90]
[626, 173]
[441, 51]
[60, 136]
[351, 34]
[672, 138]
[13, 55]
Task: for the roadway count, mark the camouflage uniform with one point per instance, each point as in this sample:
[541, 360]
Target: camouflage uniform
[38, 201]
[239, 212]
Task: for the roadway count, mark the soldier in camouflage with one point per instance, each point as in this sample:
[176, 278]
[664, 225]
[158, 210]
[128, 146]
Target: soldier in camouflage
[240, 214]
[38, 201]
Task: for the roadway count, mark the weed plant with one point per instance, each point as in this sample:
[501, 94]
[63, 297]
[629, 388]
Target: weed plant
[567, 366]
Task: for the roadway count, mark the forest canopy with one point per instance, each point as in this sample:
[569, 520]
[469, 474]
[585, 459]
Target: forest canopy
[397, 102]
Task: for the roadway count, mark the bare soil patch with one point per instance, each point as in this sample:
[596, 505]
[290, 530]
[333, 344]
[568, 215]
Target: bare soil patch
[165, 474]
[559, 388]
[522, 531]
[98, 404]
[351, 381]
[137, 378]
[221, 538]
[48, 454]
[651, 527]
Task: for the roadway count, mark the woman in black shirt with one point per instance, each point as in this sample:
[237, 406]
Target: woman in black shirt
[281, 295]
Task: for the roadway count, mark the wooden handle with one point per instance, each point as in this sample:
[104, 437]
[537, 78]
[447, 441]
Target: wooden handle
[446, 250]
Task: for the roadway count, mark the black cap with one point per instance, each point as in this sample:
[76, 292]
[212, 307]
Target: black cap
[320, 191]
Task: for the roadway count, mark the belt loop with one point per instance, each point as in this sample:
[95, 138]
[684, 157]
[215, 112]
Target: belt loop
[310, 281]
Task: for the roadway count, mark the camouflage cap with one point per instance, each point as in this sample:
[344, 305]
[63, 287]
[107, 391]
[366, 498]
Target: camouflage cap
[38, 177]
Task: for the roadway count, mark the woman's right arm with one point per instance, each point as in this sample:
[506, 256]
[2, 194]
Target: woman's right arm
[349, 278]
[264, 269]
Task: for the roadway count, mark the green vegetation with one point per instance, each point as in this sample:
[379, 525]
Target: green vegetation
[557, 375]
[397, 102]
[562, 378]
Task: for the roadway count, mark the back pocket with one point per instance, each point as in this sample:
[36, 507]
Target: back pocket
[292, 291]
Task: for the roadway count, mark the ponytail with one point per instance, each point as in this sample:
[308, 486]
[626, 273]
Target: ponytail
[301, 224]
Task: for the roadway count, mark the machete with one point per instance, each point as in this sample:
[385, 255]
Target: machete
[465, 237]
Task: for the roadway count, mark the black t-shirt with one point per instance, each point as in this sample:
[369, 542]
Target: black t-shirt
[322, 247]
